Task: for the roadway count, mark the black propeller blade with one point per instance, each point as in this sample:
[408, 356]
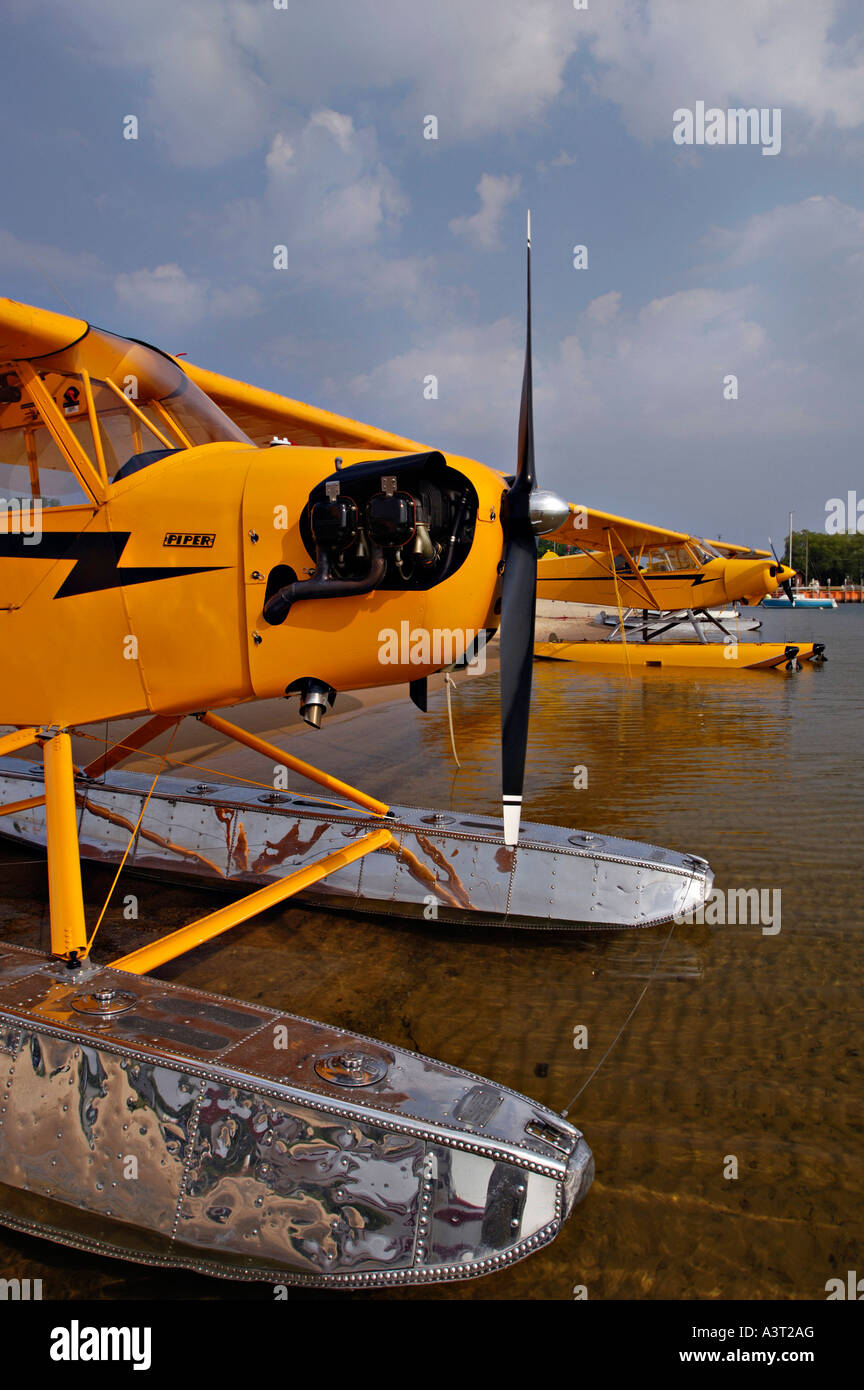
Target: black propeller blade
[418, 692]
[518, 598]
[786, 585]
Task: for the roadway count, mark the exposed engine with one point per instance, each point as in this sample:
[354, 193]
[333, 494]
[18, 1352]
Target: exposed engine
[397, 523]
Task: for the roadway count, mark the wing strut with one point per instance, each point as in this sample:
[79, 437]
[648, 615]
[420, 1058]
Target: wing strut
[68, 930]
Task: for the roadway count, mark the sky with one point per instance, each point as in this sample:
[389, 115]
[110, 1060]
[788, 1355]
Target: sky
[267, 123]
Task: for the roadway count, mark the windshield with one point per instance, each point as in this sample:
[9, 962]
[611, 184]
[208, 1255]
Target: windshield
[124, 404]
[703, 552]
[662, 558]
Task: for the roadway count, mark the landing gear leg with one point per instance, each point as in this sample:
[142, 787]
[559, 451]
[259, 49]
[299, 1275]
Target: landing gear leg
[68, 931]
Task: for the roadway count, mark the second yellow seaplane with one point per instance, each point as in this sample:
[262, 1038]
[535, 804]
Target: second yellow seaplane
[653, 568]
[656, 581]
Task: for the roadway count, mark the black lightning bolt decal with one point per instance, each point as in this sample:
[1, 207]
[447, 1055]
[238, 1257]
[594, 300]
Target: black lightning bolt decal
[97, 557]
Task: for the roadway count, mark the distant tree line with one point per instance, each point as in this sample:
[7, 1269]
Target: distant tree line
[557, 547]
[834, 558]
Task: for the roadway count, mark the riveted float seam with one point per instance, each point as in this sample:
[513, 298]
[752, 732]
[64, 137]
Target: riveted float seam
[520, 1154]
[187, 1161]
[432, 1274]
[533, 845]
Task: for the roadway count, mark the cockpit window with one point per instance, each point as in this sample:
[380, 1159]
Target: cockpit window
[703, 552]
[663, 558]
[105, 406]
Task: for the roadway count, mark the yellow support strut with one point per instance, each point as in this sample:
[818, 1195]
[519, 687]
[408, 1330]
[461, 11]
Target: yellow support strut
[15, 806]
[314, 774]
[187, 938]
[68, 932]
[22, 738]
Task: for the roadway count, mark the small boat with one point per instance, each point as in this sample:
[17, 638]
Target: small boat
[800, 595]
[804, 598]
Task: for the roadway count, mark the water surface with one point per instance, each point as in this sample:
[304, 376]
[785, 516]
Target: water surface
[744, 1045]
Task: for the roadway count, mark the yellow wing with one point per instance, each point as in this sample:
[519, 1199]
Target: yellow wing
[590, 529]
[263, 415]
[727, 548]
[26, 331]
[29, 332]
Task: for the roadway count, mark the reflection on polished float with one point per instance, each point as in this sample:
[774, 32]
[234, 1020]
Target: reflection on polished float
[178, 1128]
[450, 867]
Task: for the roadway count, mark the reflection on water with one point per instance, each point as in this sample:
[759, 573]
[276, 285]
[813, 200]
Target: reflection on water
[744, 1045]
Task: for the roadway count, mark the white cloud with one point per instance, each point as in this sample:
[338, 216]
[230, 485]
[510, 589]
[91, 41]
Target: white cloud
[280, 156]
[809, 232]
[604, 308]
[476, 368]
[483, 228]
[55, 264]
[328, 189]
[167, 287]
[330, 199]
[481, 68]
[217, 73]
[654, 58]
[561, 161]
[203, 97]
[809, 257]
[341, 127]
[633, 394]
[169, 298]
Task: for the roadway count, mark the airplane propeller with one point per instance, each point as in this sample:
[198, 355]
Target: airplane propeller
[526, 511]
[786, 585]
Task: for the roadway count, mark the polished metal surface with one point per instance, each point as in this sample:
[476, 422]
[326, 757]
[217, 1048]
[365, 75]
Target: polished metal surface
[202, 1132]
[453, 867]
[547, 510]
[351, 1068]
[104, 1004]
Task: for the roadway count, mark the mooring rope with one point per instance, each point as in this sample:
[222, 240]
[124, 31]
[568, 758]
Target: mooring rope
[615, 1040]
[450, 684]
[164, 757]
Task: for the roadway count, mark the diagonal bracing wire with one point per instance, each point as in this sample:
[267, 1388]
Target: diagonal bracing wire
[146, 802]
[617, 1036]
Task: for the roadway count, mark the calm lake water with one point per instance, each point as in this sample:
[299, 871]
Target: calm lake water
[745, 1044]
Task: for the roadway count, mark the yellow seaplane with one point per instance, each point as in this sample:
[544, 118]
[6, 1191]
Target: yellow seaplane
[657, 581]
[161, 557]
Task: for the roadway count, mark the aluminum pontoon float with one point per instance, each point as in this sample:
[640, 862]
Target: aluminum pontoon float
[220, 834]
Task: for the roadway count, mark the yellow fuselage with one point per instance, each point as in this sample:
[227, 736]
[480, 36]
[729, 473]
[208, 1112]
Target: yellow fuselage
[81, 644]
[584, 579]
